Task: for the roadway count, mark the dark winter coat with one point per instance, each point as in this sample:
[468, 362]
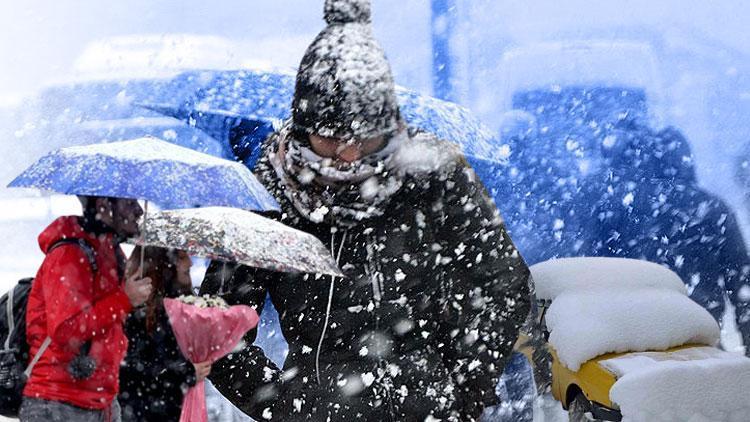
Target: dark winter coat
[155, 375]
[73, 304]
[423, 323]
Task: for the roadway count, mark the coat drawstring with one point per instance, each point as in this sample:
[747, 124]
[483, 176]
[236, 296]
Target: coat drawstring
[373, 271]
[328, 306]
[375, 274]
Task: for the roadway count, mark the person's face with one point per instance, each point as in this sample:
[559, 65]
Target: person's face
[183, 263]
[125, 216]
[346, 151]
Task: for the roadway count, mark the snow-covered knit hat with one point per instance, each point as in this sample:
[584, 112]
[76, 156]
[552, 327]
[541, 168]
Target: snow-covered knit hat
[344, 86]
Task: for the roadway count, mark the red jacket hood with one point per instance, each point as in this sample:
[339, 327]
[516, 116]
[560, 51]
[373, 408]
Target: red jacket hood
[67, 227]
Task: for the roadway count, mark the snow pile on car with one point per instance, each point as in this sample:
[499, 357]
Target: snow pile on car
[587, 324]
[583, 274]
[614, 305]
[693, 384]
[608, 305]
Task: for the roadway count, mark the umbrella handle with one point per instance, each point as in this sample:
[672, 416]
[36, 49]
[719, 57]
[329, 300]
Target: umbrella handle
[143, 238]
[223, 275]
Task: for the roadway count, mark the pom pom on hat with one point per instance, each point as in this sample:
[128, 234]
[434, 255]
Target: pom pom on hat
[346, 11]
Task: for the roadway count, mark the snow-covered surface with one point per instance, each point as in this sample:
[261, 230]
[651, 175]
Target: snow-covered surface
[551, 278]
[635, 362]
[151, 147]
[584, 325]
[693, 384]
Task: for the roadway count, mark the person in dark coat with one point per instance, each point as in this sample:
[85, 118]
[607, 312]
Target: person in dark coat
[434, 291]
[598, 181]
[655, 210]
[556, 170]
[155, 375]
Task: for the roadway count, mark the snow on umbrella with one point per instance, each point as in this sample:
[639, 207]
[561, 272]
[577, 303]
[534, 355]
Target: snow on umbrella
[225, 101]
[234, 235]
[151, 169]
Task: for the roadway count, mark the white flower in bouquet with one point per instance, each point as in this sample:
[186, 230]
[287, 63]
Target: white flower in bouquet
[205, 301]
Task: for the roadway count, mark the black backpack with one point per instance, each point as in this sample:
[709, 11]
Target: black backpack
[15, 351]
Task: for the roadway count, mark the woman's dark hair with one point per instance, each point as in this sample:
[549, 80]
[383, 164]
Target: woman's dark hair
[159, 264]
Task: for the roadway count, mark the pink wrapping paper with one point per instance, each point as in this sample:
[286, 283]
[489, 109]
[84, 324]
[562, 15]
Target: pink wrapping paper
[206, 334]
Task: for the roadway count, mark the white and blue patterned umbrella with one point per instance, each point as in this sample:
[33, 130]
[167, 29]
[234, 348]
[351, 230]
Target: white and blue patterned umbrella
[233, 235]
[150, 169]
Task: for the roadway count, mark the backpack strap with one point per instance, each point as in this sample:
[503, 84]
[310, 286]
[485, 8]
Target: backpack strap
[9, 314]
[85, 247]
[11, 320]
[45, 344]
[89, 251]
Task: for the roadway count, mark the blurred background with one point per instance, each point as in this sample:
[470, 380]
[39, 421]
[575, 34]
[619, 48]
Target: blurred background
[74, 72]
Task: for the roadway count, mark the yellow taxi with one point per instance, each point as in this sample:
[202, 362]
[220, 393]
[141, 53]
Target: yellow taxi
[586, 391]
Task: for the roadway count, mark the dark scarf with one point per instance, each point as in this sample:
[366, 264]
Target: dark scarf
[321, 191]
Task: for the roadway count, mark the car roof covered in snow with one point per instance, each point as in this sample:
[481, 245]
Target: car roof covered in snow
[553, 277]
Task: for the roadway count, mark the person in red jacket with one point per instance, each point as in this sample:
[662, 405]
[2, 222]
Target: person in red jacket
[79, 304]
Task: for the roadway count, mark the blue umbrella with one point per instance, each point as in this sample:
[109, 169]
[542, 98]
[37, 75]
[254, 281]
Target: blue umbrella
[151, 169]
[251, 103]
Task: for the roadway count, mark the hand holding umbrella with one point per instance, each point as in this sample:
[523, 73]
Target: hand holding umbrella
[138, 288]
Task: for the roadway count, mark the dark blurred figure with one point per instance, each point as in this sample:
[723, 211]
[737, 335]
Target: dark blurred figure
[585, 177]
[554, 172]
[652, 208]
[592, 179]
